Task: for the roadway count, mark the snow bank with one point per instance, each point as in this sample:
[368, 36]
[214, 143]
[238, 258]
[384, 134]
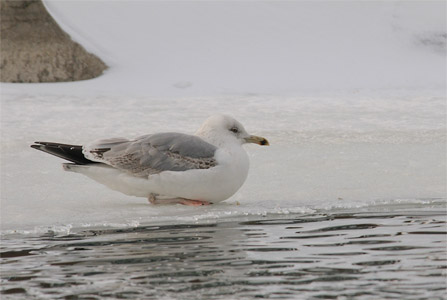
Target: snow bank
[195, 48]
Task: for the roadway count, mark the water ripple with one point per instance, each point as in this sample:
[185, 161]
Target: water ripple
[398, 256]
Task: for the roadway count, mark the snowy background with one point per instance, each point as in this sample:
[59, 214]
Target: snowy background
[351, 95]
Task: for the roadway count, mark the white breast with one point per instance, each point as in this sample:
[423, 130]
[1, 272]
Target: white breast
[215, 184]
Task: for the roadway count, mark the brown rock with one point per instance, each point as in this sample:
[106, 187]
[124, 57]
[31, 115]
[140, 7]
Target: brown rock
[34, 48]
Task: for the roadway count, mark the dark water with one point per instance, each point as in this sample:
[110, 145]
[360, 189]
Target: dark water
[320, 256]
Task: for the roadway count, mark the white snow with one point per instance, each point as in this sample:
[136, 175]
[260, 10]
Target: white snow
[279, 47]
[351, 95]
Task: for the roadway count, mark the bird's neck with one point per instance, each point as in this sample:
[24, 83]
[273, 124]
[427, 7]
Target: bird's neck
[217, 140]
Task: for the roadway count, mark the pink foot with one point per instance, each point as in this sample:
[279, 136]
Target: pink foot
[154, 200]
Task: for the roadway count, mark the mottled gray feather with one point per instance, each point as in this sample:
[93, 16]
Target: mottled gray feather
[155, 153]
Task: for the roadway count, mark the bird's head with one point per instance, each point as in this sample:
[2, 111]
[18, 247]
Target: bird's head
[221, 129]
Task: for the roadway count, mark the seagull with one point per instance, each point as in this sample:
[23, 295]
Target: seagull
[167, 168]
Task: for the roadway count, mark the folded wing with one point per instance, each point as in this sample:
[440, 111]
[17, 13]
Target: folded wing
[152, 154]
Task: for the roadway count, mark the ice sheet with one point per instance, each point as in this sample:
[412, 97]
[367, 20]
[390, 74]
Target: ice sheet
[321, 155]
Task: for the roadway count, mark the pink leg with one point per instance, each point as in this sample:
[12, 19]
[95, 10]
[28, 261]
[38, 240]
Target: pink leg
[194, 202]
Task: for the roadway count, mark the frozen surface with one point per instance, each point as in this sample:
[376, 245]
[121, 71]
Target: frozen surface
[325, 152]
[350, 95]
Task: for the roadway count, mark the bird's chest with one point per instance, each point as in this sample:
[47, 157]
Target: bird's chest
[235, 163]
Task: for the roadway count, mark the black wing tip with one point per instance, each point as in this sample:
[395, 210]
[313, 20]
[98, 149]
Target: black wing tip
[39, 145]
[71, 153]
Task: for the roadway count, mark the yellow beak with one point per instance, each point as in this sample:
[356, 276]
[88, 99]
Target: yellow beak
[257, 140]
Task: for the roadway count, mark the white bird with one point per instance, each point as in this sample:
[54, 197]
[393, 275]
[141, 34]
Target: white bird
[169, 167]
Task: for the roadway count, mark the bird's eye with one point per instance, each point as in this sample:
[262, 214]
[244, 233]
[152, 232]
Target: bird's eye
[234, 129]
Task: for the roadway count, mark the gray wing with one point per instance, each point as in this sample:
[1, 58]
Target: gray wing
[152, 154]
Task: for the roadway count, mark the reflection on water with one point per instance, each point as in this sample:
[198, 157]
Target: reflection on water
[320, 256]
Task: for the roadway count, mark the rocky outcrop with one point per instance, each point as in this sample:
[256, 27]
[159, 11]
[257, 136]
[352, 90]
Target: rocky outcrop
[35, 49]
